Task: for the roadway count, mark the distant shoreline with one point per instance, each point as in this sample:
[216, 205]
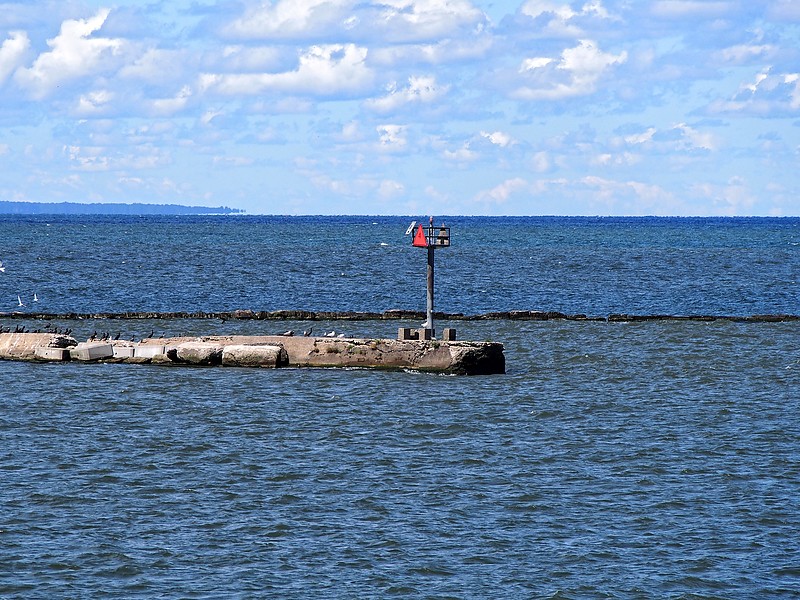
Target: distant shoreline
[108, 208]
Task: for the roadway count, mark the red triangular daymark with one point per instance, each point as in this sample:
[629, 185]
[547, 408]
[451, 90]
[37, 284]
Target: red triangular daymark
[420, 241]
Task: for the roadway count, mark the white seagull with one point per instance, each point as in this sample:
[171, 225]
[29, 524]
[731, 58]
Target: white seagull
[2, 267]
[35, 297]
[19, 300]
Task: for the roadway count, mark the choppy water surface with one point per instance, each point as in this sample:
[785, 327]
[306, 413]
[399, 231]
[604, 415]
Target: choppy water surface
[648, 460]
[573, 265]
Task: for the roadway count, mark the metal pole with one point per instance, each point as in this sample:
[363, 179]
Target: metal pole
[429, 322]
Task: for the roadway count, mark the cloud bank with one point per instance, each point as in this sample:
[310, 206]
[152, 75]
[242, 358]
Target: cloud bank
[444, 106]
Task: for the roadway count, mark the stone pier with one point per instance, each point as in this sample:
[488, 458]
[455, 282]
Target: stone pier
[273, 351]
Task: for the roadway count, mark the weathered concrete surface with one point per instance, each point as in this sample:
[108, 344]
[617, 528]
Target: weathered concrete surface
[22, 346]
[52, 354]
[196, 353]
[89, 351]
[464, 358]
[467, 358]
[240, 355]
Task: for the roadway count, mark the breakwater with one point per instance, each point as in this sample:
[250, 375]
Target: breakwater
[394, 314]
[270, 351]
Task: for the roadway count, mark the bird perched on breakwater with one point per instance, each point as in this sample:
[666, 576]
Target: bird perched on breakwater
[330, 334]
[308, 331]
[287, 333]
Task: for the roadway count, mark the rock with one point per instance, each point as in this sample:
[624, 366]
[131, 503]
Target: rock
[240, 355]
[197, 353]
[243, 314]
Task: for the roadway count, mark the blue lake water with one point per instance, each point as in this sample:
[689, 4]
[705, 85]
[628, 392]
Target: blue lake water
[613, 460]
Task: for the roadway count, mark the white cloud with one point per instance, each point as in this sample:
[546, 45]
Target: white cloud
[409, 20]
[95, 102]
[535, 8]
[678, 9]
[463, 154]
[743, 53]
[392, 137]
[395, 20]
[155, 65]
[564, 20]
[169, 106]
[562, 10]
[291, 19]
[540, 162]
[445, 51]
[627, 197]
[641, 138]
[351, 133]
[529, 64]
[501, 193]
[498, 138]
[74, 54]
[696, 139]
[576, 74]
[324, 70]
[233, 161]
[768, 95]
[12, 52]
[607, 159]
[793, 79]
[420, 90]
[388, 188]
[730, 199]
[753, 87]
[784, 10]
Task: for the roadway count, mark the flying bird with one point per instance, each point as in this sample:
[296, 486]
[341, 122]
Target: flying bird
[2, 267]
[19, 300]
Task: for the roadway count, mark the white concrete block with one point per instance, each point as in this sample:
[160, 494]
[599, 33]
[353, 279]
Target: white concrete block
[52, 353]
[123, 351]
[91, 351]
[147, 351]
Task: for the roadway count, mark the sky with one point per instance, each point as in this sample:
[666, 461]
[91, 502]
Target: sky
[405, 107]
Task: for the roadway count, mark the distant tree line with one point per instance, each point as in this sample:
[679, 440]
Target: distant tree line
[106, 208]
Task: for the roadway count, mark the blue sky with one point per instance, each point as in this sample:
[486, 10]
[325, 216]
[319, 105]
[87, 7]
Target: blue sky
[525, 107]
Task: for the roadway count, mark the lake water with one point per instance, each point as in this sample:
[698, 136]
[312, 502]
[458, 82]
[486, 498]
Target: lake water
[613, 460]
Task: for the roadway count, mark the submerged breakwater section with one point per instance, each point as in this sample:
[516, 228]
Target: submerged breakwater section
[391, 315]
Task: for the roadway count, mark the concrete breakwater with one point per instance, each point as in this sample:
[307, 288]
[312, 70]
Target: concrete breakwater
[460, 358]
[394, 314]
